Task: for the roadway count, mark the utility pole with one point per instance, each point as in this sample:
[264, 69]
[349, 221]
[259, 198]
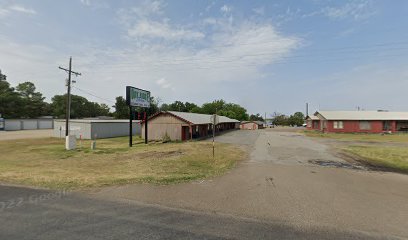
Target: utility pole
[265, 120]
[307, 109]
[68, 111]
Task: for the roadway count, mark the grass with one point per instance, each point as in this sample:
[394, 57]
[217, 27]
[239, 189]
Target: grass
[363, 137]
[395, 158]
[45, 162]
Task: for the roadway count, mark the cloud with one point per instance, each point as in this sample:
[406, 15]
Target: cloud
[144, 22]
[163, 83]
[376, 79]
[357, 10]
[152, 29]
[210, 21]
[3, 12]
[259, 10]
[7, 10]
[35, 63]
[148, 8]
[209, 6]
[225, 9]
[22, 9]
[160, 55]
[86, 2]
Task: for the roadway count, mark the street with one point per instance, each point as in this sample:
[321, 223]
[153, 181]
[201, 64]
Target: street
[276, 194]
[74, 216]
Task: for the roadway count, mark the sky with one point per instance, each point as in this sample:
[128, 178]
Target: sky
[268, 56]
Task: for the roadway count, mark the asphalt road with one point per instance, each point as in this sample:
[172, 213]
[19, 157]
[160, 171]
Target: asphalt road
[38, 214]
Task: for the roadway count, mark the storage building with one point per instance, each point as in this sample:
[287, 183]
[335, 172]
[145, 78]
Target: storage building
[251, 125]
[91, 128]
[359, 121]
[185, 126]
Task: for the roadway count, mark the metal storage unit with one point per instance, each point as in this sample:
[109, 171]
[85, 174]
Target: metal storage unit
[28, 124]
[88, 128]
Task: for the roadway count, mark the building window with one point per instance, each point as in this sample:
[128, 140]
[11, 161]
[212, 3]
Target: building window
[315, 124]
[338, 124]
[365, 125]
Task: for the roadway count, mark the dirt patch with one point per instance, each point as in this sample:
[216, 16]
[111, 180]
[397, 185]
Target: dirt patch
[324, 163]
[368, 165]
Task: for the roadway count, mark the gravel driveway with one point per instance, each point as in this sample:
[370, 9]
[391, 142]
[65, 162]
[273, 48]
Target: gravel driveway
[278, 146]
[278, 184]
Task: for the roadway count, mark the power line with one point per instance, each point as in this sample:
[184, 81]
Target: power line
[93, 95]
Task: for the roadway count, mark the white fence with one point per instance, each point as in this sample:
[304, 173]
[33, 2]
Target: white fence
[28, 124]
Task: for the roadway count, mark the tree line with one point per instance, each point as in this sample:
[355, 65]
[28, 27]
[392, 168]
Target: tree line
[24, 101]
[297, 119]
[219, 107]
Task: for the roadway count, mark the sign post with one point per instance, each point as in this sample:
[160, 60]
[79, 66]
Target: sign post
[214, 121]
[130, 126]
[136, 97]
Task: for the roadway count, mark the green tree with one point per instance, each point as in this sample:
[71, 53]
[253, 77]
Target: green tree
[297, 119]
[280, 119]
[165, 107]
[256, 117]
[190, 106]
[213, 107]
[2, 76]
[178, 106]
[80, 107]
[10, 101]
[121, 109]
[234, 111]
[34, 105]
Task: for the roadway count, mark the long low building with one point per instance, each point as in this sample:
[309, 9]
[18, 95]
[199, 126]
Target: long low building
[251, 125]
[184, 126]
[95, 128]
[358, 121]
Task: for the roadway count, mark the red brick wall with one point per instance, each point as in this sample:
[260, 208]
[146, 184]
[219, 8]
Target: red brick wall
[311, 123]
[354, 126]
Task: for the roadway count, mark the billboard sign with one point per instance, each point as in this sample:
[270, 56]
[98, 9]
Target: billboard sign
[136, 97]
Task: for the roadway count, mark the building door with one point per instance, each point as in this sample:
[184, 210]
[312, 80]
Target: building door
[386, 125]
[185, 133]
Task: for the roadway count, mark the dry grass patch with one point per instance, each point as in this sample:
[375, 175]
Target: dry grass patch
[45, 163]
[395, 158]
[363, 137]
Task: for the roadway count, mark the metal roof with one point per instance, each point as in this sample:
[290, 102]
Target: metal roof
[312, 117]
[362, 115]
[97, 121]
[257, 122]
[197, 118]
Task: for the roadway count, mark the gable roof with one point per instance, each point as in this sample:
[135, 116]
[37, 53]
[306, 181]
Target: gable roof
[196, 118]
[257, 122]
[361, 115]
[312, 117]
